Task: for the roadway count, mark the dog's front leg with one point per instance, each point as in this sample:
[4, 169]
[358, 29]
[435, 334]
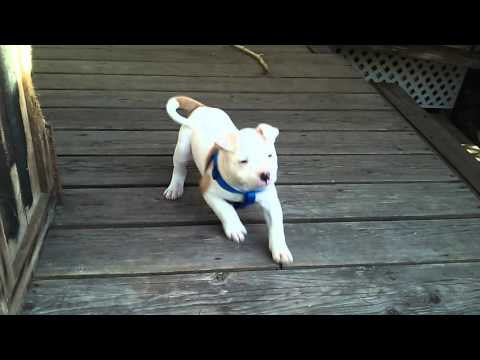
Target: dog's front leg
[272, 209]
[232, 225]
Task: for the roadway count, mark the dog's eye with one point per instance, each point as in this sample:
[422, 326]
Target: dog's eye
[270, 155]
[243, 161]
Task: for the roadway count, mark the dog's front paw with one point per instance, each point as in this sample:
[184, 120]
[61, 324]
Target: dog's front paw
[281, 254]
[235, 231]
[173, 192]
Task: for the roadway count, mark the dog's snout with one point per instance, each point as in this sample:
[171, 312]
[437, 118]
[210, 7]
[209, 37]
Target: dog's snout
[265, 176]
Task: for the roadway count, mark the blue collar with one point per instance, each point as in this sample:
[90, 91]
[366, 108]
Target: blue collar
[249, 197]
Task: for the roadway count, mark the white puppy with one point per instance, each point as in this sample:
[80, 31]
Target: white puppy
[238, 168]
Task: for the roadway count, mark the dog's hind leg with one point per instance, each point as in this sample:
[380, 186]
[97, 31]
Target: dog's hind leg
[181, 157]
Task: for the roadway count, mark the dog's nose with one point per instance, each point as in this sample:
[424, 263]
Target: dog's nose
[265, 176]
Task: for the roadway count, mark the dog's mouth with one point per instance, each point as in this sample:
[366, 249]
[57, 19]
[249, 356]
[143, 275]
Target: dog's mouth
[263, 183]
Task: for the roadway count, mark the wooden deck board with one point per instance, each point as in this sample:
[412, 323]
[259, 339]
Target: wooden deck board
[91, 171]
[226, 55]
[425, 289]
[226, 101]
[204, 248]
[191, 69]
[297, 143]
[376, 221]
[157, 119]
[284, 49]
[181, 83]
[147, 206]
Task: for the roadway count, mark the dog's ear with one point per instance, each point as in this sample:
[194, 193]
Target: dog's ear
[268, 132]
[227, 142]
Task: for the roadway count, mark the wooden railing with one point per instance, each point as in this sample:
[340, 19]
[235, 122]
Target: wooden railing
[29, 184]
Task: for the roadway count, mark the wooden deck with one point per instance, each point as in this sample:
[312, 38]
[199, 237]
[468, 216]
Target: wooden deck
[377, 222]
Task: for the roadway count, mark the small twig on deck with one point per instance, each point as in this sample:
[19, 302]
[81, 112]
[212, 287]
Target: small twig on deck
[258, 57]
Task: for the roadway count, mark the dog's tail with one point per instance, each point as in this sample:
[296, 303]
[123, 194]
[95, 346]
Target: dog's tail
[184, 103]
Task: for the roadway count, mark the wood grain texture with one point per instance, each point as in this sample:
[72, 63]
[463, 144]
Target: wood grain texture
[306, 69]
[365, 244]
[157, 170]
[226, 55]
[263, 101]
[157, 119]
[297, 143]
[31, 257]
[7, 279]
[320, 49]
[218, 84]
[420, 289]
[94, 252]
[167, 48]
[147, 206]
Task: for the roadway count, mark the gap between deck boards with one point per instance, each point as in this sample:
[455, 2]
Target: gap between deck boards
[163, 225]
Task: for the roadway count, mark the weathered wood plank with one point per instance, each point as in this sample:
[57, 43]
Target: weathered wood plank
[320, 49]
[30, 252]
[297, 143]
[265, 101]
[157, 119]
[204, 248]
[7, 279]
[218, 84]
[167, 48]
[192, 69]
[157, 170]
[144, 206]
[227, 55]
[419, 289]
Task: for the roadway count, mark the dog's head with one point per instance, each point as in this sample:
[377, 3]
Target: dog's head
[249, 159]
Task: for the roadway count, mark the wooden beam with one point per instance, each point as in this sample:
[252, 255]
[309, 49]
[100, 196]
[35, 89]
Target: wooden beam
[443, 136]
[27, 257]
[3, 301]
[6, 276]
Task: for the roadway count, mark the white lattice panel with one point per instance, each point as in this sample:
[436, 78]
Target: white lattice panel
[431, 84]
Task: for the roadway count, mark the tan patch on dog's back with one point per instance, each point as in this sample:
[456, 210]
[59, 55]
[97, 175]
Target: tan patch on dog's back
[188, 104]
